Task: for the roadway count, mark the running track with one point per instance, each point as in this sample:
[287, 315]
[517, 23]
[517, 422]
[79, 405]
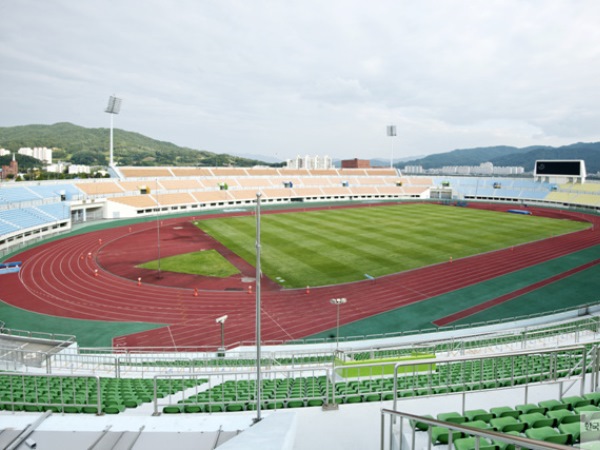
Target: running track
[59, 278]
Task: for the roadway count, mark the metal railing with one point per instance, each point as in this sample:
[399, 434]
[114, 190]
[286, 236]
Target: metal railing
[226, 391]
[221, 390]
[435, 376]
[42, 392]
[393, 425]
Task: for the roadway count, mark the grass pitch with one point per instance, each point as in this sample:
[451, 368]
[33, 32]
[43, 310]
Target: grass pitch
[325, 247]
[208, 263]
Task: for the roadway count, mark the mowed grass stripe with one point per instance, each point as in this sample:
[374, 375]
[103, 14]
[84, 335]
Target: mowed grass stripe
[306, 256]
[375, 245]
[335, 246]
[339, 235]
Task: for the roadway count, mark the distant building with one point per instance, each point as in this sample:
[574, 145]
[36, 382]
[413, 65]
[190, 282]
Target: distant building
[78, 168]
[486, 168]
[42, 153]
[11, 169]
[4, 152]
[58, 167]
[356, 163]
[309, 162]
[413, 169]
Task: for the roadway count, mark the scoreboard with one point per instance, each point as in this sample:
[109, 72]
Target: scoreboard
[565, 168]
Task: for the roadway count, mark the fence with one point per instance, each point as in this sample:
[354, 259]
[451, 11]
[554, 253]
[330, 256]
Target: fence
[393, 424]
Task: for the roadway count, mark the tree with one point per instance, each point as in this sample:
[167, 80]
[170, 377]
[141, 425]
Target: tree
[85, 157]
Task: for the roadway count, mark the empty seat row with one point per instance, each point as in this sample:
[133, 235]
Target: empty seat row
[557, 421]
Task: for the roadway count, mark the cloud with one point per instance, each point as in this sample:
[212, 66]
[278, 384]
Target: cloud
[308, 77]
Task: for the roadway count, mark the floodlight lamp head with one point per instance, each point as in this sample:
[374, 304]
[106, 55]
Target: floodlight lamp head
[338, 301]
[114, 105]
[221, 319]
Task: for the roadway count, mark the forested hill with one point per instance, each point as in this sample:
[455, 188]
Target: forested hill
[513, 156]
[80, 145]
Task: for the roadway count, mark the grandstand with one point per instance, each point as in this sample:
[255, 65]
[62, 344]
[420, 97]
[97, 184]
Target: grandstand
[148, 191]
[452, 386]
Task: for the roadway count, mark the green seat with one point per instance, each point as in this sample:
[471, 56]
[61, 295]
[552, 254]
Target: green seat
[32, 408]
[478, 414]
[576, 401]
[372, 397]
[172, 409]
[192, 408]
[470, 443]
[588, 410]
[295, 404]
[553, 405]
[507, 423]
[315, 402]
[537, 420]
[71, 409]
[480, 424]
[594, 397]
[573, 428]
[132, 403]
[115, 408]
[442, 435]
[214, 407]
[452, 417]
[90, 410]
[275, 405]
[353, 399]
[420, 426]
[53, 408]
[529, 408]
[548, 434]
[564, 416]
[505, 445]
[235, 407]
[504, 411]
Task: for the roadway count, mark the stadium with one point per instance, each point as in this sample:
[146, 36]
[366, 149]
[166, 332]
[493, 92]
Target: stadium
[394, 310]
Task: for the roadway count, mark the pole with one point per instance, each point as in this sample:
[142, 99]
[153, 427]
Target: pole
[111, 162]
[391, 132]
[258, 334]
[223, 335]
[337, 302]
[337, 336]
[157, 227]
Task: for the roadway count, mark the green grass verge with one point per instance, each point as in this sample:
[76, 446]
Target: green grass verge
[353, 369]
[566, 293]
[208, 263]
[325, 247]
[89, 333]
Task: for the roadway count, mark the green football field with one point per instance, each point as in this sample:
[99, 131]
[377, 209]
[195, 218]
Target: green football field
[316, 248]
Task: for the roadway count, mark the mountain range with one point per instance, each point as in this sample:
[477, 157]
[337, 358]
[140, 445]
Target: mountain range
[512, 156]
[80, 145]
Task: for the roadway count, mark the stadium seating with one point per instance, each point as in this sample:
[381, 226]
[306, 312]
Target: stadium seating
[79, 394]
[556, 425]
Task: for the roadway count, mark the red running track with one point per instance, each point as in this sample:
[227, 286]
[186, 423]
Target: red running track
[59, 278]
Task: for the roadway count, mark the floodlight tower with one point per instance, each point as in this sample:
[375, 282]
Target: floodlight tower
[258, 308]
[114, 106]
[221, 320]
[337, 302]
[391, 132]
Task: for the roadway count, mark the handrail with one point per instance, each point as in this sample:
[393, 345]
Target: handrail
[481, 358]
[265, 375]
[519, 441]
[12, 401]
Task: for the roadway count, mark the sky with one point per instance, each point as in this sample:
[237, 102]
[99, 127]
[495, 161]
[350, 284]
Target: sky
[310, 77]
